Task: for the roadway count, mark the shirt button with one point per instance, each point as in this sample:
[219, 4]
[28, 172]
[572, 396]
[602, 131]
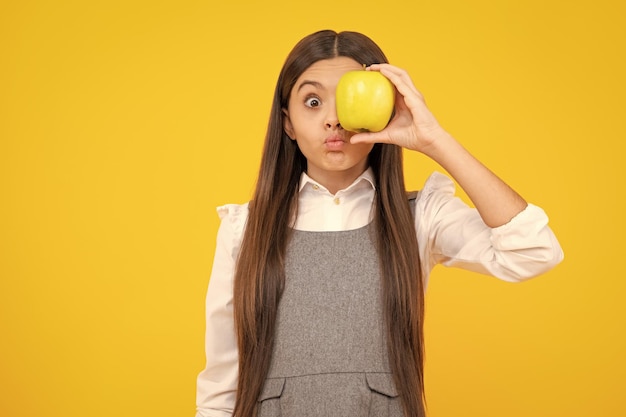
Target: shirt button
[316, 187]
[336, 200]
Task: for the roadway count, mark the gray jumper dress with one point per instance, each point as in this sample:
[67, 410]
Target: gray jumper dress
[330, 354]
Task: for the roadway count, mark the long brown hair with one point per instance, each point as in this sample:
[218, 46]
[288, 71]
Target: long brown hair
[259, 275]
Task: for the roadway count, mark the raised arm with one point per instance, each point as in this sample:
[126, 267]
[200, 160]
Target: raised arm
[414, 127]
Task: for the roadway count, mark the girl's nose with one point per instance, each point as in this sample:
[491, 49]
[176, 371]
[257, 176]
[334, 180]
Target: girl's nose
[332, 121]
[333, 124]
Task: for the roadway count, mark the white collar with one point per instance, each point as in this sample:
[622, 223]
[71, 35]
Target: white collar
[366, 178]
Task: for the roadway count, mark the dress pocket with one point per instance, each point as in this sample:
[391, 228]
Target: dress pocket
[269, 400]
[384, 398]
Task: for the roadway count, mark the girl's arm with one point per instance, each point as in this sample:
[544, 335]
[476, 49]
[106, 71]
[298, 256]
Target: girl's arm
[496, 202]
[217, 383]
[414, 127]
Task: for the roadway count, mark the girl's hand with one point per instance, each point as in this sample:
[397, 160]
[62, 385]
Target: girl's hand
[413, 126]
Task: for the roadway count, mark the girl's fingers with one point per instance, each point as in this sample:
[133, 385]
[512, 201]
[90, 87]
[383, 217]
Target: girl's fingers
[371, 137]
[399, 77]
[403, 83]
[412, 121]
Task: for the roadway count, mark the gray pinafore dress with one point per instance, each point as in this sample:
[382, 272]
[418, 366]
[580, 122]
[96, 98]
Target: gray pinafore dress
[330, 353]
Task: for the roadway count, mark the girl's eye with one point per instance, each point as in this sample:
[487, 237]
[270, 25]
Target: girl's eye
[312, 102]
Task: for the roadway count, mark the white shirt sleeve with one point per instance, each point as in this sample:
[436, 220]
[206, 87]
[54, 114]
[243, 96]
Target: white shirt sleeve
[453, 234]
[217, 383]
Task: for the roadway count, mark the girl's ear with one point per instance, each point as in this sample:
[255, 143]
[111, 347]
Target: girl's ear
[287, 126]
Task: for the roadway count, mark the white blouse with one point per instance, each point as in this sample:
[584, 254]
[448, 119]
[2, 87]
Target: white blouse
[449, 232]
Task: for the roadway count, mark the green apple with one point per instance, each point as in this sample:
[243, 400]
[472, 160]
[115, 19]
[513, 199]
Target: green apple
[365, 101]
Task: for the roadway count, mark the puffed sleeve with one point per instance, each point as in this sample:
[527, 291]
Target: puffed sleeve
[453, 234]
[217, 383]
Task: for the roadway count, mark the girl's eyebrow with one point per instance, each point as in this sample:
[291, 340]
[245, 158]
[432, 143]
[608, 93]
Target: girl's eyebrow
[315, 84]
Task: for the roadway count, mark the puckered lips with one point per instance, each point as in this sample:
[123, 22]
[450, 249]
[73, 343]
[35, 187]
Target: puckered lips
[335, 142]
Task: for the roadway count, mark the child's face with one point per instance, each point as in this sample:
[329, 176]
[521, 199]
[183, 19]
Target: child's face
[311, 120]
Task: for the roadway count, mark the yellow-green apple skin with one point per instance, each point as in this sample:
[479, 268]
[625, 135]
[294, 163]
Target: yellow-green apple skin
[364, 101]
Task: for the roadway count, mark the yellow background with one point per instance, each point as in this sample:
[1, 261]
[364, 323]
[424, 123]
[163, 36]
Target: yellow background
[123, 124]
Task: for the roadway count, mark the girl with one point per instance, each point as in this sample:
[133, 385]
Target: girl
[315, 304]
